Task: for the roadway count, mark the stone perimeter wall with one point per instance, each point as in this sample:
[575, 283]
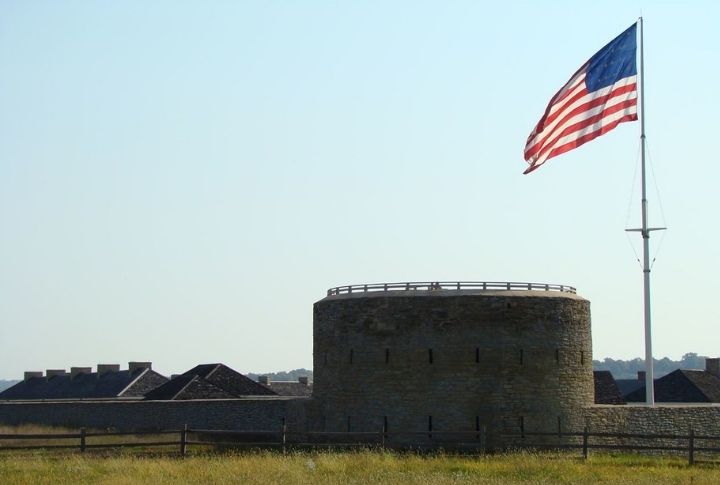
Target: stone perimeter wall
[270, 414]
[661, 419]
[230, 414]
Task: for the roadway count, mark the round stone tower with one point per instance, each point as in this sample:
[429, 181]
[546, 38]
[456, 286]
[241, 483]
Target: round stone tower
[438, 357]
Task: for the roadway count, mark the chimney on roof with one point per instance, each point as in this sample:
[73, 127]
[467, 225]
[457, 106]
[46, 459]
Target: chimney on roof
[76, 371]
[55, 372]
[30, 374]
[713, 366]
[133, 366]
[303, 380]
[641, 375]
[105, 368]
[264, 380]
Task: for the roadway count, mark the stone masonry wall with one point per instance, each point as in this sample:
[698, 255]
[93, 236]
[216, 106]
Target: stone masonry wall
[450, 361]
[266, 414]
[660, 419]
[675, 419]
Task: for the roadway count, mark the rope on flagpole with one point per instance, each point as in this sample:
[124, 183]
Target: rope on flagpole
[629, 206]
[660, 204]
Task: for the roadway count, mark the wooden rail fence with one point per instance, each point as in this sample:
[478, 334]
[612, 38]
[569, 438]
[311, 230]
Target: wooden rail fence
[688, 444]
[283, 439]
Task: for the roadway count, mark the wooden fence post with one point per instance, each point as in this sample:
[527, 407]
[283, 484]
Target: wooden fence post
[183, 440]
[483, 438]
[284, 437]
[585, 443]
[691, 448]
[382, 437]
[82, 440]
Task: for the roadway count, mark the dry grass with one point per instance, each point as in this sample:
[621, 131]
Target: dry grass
[364, 467]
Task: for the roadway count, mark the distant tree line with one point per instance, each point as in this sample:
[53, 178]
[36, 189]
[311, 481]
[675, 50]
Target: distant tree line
[291, 375]
[628, 369]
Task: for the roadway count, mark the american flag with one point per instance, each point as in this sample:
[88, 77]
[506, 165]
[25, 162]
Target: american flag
[598, 97]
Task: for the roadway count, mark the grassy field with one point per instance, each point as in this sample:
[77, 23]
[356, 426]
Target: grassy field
[366, 467]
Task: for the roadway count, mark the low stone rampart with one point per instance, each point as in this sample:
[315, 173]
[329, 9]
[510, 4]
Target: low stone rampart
[232, 414]
[664, 420]
[660, 419]
[269, 414]
[639, 426]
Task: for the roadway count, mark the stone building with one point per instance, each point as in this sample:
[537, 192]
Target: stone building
[685, 386]
[208, 381]
[302, 387]
[81, 383]
[627, 386]
[451, 357]
[606, 389]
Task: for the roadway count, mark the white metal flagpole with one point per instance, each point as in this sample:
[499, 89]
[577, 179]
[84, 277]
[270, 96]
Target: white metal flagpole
[645, 232]
[649, 379]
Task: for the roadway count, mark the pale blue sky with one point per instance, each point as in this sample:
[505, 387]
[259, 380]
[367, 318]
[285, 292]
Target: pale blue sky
[180, 181]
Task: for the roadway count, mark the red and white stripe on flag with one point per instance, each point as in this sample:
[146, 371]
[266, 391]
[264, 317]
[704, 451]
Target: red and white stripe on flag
[598, 97]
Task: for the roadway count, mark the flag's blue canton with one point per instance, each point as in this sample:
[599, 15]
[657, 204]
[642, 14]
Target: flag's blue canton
[613, 62]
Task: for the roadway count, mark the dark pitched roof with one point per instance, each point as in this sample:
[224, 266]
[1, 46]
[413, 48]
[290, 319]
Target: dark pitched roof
[122, 383]
[147, 381]
[290, 388]
[606, 391]
[234, 382]
[203, 370]
[708, 383]
[186, 387]
[627, 386]
[199, 388]
[170, 389]
[209, 381]
[682, 386]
